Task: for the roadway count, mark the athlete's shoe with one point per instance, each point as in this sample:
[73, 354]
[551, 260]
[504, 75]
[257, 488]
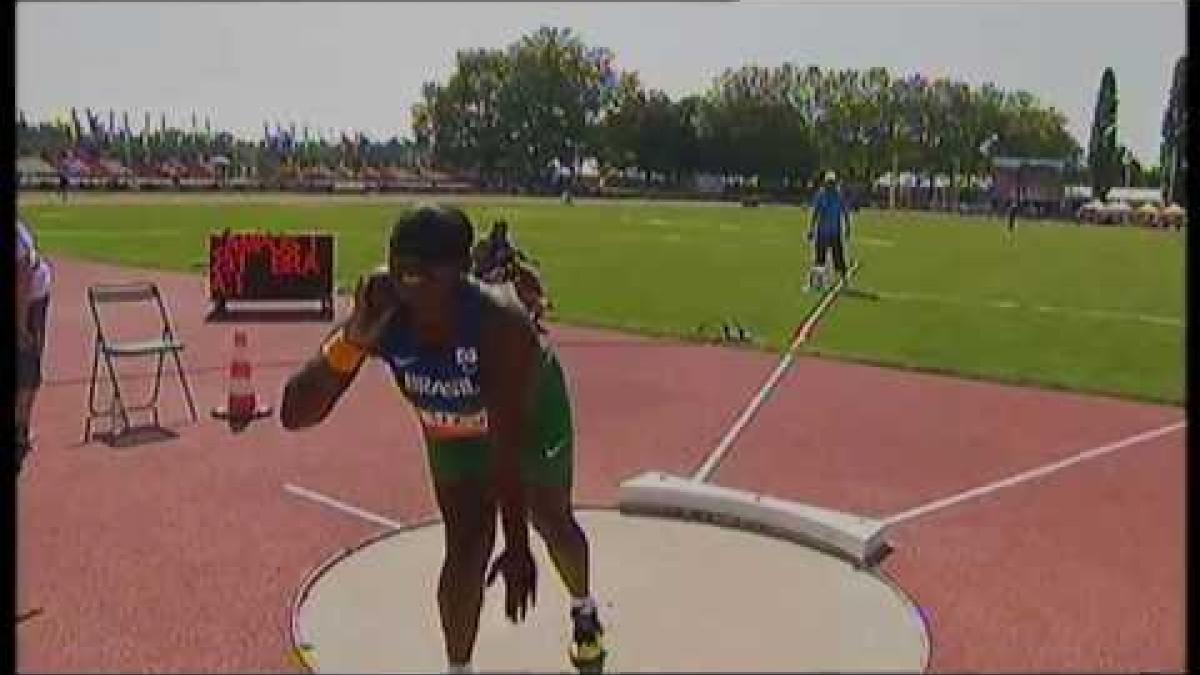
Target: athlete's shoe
[587, 646]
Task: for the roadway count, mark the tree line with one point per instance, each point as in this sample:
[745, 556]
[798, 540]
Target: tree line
[549, 101]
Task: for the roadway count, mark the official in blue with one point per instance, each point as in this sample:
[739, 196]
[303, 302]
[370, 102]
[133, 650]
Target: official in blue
[831, 224]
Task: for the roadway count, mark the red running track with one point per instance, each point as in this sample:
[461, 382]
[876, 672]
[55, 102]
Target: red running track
[1081, 569]
[182, 555]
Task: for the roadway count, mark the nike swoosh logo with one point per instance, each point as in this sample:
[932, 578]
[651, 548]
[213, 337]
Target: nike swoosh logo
[551, 453]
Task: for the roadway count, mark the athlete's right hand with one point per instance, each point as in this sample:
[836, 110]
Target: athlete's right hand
[375, 303]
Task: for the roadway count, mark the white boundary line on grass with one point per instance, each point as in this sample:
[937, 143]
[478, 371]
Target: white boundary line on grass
[906, 296]
[339, 505]
[1046, 469]
[714, 458]
[872, 241]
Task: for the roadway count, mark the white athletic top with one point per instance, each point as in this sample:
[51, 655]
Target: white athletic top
[40, 282]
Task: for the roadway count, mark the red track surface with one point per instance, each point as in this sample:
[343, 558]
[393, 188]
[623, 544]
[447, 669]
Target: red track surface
[182, 555]
[1078, 570]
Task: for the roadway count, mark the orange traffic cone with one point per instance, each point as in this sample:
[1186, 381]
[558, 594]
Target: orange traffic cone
[242, 407]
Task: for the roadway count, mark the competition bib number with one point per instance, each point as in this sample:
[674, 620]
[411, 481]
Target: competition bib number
[448, 426]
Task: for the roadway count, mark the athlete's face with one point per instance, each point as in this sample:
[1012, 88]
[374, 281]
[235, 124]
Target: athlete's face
[422, 284]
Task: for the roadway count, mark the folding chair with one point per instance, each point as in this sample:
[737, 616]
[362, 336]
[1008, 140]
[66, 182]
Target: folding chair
[163, 344]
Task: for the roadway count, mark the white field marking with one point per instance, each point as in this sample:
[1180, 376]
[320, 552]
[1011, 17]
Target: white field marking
[342, 506]
[1048, 309]
[1161, 320]
[1046, 469]
[871, 241]
[714, 458]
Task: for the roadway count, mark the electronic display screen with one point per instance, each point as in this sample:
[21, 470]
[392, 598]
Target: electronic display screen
[262, 266]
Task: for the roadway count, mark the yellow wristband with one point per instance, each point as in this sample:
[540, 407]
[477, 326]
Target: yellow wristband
[341, 355]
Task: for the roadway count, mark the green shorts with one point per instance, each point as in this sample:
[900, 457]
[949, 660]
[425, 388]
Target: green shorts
[547, 460]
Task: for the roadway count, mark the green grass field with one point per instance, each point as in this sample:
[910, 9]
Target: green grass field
[1089, 309]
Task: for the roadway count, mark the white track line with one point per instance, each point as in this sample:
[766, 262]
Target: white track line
[342, 506]
[1038, 472]
[714, 458]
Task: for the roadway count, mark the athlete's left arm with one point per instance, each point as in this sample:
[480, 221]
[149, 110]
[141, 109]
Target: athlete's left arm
[507, 370]
[508, 366]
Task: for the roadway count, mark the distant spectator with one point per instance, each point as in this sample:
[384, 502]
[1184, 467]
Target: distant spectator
[494, 254]
[497, 260]
[64, 180]
[33, 300]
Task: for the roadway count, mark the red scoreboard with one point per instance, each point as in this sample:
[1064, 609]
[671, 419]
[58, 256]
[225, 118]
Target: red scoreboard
[252, 266]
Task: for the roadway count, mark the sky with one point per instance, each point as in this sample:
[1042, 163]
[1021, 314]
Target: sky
[361, 65]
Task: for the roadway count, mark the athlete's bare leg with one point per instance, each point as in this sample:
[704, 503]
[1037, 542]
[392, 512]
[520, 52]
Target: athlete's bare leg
[554, 520]
[469, 515]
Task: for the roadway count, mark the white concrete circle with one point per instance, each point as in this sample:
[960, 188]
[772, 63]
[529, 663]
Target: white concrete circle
[674, 596]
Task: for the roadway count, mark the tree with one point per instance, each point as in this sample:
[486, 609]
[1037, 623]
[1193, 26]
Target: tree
[910, 123]
[1150, 177]
[614, 139]
[1172, 157]
[424, 122]
[520, 111]
[751, 124]
[1131, 169]
[469, 130]
[877, 146]
[554, 93]
[1103, 152]
[657, 134]
[687, 142]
